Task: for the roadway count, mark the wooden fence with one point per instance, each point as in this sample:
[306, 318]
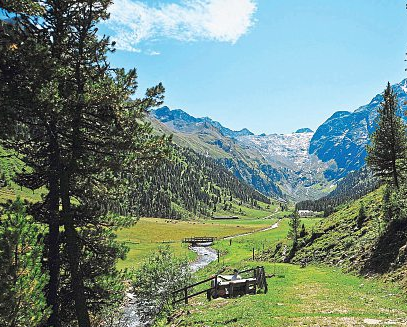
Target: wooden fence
[258, 280]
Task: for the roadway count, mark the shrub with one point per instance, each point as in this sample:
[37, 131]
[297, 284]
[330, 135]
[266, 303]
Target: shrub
[22, 281]
[158, 276]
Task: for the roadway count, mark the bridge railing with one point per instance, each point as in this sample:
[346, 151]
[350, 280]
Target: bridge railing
[199, 239]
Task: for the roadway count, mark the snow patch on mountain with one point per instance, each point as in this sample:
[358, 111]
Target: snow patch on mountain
[286, 148]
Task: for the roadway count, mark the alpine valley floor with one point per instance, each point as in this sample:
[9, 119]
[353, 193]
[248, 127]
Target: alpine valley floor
[310, 296]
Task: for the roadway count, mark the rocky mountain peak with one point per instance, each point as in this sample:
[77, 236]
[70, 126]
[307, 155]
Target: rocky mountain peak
[183, 122]
[343, 137]
[304, 130]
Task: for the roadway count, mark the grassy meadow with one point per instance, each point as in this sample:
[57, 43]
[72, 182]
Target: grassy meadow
[149, 233]
[310, 296]
[313, 296]
[13, 191]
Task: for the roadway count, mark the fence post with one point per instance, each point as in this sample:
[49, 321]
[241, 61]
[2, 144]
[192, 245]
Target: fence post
[216, 286]
[186, 295]
[253, 254]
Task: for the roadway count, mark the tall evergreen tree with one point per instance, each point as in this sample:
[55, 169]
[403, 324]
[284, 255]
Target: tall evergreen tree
[389, 142]
[72, 119]
[294, 228]
[361, 215]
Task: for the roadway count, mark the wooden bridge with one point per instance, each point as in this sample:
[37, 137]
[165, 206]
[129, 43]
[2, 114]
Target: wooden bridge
[222, 287]
[199, 239]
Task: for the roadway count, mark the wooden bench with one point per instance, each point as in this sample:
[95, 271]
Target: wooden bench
[232, 288]
[223, 286]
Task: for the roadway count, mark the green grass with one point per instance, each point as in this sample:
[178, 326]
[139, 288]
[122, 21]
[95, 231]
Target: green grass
[341, 241]
[149, 233]
[9, 166]
[242, 247]
[313, 296]
[13, 191]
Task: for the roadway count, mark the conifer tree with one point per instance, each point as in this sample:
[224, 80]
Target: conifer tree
[361, 215]
[303, 231]
[294, 228]
[22, 281]
[388, 152]
[73, 120]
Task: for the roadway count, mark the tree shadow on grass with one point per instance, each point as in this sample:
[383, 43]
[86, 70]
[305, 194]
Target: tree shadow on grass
[387, 249]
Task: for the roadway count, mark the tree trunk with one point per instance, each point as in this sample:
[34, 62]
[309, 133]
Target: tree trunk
[73, 253]
[53, 258]
[395, 175]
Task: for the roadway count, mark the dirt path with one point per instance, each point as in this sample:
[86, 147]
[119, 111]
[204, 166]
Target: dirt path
[274, 226]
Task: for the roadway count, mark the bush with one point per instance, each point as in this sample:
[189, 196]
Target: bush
[159, 275]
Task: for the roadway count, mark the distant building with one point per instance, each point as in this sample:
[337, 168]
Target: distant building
[306, 213]
[224, 217]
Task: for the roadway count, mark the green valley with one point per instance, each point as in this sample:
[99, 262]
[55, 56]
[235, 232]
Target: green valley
[317, 295]
[252, 172]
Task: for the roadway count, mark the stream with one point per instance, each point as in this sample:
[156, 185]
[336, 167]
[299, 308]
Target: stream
[206, 255]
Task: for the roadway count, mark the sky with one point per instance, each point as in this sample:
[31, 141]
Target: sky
[271, 66]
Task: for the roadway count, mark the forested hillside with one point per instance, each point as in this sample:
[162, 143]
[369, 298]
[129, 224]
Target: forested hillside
[359, 237]
[206, 136]
[192, 184]
[368, 235]
[352, 187]
[187, 185]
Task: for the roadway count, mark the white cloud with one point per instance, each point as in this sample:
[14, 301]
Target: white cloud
[153, 53]
[188, 20]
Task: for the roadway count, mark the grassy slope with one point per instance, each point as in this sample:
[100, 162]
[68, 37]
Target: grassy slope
[13, 191]
[372, 250]
[313, 296]
[9, 166]
[342, 243]
[248, 211]
[305, 297]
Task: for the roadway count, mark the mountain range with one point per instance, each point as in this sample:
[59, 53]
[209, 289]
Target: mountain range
[297, 166]
[344, 136]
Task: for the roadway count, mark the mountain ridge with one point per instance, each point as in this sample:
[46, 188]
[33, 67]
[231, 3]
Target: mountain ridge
[273, 163]
[343, 136]
[299, 166]
[165, 114]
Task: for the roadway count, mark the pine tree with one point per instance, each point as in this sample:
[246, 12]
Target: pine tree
[22, 281]
[303, 231]
[72, 119]
[361, 216]
[389, 142]
[294, 228]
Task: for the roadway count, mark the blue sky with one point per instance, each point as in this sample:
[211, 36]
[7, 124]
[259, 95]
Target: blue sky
[271, 66]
